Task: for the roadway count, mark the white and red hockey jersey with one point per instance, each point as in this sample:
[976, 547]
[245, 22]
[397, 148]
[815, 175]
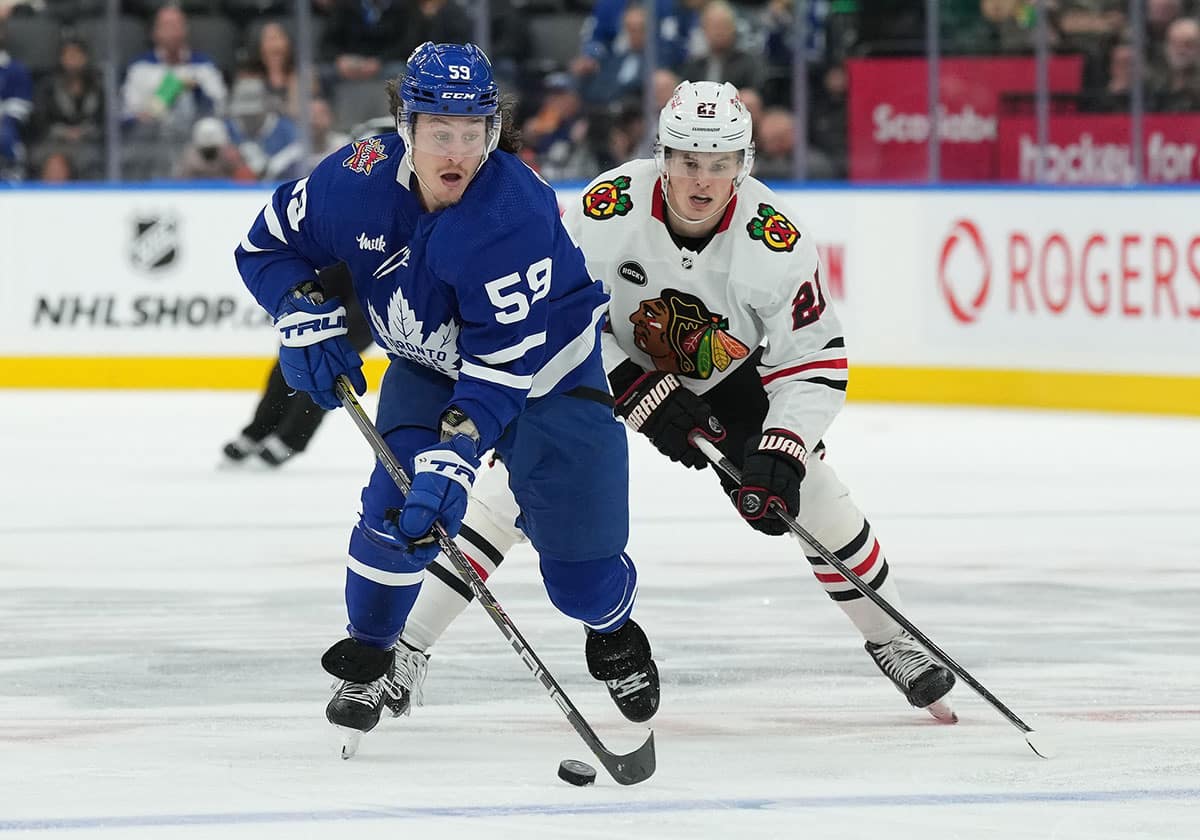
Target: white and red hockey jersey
[702, 315]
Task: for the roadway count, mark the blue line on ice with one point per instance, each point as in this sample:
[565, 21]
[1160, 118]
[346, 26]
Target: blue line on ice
[623, 807]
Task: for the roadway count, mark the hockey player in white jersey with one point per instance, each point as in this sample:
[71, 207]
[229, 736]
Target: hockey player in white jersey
[718, 323]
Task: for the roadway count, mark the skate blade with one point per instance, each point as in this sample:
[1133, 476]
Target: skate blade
[941, 712]
[351, 738]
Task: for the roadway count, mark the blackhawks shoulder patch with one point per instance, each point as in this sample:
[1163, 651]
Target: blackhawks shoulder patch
[608, 199]
[774, 229]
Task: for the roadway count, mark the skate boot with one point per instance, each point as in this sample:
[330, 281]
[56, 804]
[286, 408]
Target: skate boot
[237, 451]
[622, 659]
[359, 697]
[274, 452]
[922, 681]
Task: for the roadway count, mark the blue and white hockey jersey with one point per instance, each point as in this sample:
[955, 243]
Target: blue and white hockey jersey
[490, 291]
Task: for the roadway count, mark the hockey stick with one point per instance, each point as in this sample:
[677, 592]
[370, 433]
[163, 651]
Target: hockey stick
[1038, 745]
[628, 769]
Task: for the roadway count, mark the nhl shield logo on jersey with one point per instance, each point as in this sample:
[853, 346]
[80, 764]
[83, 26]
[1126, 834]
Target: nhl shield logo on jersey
[774, 229]
[608, 199]
[683, 336]
[366, 154]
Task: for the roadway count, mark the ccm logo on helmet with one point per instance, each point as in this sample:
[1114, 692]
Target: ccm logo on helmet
[457, 94]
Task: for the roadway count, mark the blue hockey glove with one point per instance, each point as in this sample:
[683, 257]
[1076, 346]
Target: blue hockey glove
[315, 350]
[442, 479]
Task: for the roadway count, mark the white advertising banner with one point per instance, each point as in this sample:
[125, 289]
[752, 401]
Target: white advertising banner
[1101, 281]
[127, 273]
[1080, 281]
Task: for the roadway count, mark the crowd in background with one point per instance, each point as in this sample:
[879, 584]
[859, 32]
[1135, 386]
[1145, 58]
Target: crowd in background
[209, 89]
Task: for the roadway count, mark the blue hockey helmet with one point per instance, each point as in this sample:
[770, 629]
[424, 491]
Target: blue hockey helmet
[451, 79]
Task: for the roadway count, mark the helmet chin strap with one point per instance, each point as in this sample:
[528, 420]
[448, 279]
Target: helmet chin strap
[666, 179]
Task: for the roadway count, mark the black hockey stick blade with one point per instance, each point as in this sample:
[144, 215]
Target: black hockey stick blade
[631, 768]
[1036, 743]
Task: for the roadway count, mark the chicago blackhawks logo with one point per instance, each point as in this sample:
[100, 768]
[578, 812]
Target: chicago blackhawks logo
[366, 154]
[608, 199]
[682, 336]
[774, 229]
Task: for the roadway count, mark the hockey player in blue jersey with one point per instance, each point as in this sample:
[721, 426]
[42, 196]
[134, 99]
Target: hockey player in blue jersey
[491, 324]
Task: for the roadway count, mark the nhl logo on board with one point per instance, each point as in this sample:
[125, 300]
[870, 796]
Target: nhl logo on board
[155, 243]
[633, 272]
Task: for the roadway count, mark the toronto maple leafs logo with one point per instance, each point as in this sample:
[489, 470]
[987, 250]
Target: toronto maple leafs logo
[403, 335]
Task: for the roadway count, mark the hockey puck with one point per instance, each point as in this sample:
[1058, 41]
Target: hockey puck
[577, 773]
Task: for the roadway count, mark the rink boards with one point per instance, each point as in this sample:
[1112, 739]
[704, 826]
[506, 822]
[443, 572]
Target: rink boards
[1075, 298]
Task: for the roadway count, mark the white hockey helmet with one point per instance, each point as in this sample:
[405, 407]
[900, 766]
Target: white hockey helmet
[706, 117]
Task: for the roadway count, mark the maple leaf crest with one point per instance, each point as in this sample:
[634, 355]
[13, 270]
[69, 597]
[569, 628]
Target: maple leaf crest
[403, 335]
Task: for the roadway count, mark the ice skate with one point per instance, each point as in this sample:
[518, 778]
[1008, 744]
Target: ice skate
[922, 681]
[238, 450]
[623, 660]
[274, 452]
[356, 706]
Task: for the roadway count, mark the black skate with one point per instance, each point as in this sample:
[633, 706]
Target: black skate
[274, 452]
[622, 659]
[922, 681]
[358, 702]
[237, 451]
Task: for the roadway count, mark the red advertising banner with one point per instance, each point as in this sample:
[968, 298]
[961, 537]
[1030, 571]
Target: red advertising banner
[1095, 149]
[888, 114]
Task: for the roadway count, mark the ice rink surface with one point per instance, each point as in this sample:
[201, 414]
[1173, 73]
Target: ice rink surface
[162, 623]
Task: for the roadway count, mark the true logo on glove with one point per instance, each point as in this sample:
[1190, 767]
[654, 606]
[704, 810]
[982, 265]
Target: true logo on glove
[751, 504]
[294, 331]
[458, 470]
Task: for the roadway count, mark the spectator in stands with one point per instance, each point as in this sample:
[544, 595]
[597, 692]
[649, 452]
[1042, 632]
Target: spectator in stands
[324, 137]
[620, 73]
[56, 167]
[1005, 26]
[366, 39]
[1113, 96]
[1159, 16]
[211, 155]
[512, 43]
[827, 119]
[775, 146]
[275, 61]
[171, 86]
[623, 132]
[663, 86]
[555, 135]
[724, 59]
[268, 142]
[16, 101]
[69, 104]
[1176, 85]
[752, 101]
[439, 21]
[602, 32]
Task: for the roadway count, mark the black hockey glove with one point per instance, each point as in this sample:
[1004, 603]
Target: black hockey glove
[771, 472]
[661, 408]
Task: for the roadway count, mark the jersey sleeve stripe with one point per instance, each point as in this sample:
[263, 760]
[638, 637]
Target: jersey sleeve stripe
[499, 377]
[574, 353]
[514, 352]
[823, 364]
[382, 577]
[273, 224]
[250, 248]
